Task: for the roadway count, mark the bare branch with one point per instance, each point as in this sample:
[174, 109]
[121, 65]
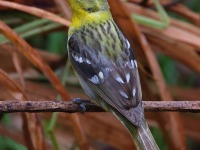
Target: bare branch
[71, 107]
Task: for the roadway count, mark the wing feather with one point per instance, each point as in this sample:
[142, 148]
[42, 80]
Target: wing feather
[115, 82]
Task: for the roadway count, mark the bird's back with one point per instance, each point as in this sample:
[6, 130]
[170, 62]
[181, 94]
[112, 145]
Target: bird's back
[103, 57]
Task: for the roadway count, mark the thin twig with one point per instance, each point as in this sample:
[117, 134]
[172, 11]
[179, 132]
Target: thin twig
[70, 107]
[35, 11]
[144, 3]
[173, 3]
[64, 8]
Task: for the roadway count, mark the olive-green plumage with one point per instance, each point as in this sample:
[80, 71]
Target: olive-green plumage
[105, 65]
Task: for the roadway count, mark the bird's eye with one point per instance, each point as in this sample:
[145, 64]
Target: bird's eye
[90, 9]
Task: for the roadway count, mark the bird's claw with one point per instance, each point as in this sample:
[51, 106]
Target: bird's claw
[81, 103]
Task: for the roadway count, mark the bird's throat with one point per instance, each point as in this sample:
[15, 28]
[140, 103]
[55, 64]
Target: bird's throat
[81, 18]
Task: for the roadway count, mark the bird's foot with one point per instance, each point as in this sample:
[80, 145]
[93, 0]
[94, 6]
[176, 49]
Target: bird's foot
[82, 103]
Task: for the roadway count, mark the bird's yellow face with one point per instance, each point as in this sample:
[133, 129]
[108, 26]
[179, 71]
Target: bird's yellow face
[88, 12]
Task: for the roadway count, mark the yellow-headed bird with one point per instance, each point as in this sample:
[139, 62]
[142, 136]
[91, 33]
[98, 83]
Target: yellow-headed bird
[105, 65]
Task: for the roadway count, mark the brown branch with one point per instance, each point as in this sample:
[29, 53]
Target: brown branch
[36, 12]
[71, 107]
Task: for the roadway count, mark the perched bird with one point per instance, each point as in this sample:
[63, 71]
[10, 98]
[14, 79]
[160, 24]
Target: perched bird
[106, 68]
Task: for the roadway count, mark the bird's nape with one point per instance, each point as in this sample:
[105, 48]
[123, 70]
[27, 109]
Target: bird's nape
[89, 6]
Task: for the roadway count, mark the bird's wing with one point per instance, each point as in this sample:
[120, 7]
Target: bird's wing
[116, 82]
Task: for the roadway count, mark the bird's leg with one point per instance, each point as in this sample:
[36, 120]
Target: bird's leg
[82, 103]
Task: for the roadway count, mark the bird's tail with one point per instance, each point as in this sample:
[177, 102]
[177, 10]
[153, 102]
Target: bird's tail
[142, 136]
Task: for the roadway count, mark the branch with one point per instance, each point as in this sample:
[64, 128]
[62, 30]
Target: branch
[71, 107]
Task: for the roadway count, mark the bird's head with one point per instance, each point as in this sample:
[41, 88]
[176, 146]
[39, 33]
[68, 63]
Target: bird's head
[88, 6]
[88, 12]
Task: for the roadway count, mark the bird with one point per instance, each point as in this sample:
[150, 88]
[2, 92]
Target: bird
[106, 67]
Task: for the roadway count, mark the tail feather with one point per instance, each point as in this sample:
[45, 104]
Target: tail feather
[141, 134]
[145, 138]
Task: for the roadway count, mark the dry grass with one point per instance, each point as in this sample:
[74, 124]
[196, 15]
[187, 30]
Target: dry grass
[179, 41]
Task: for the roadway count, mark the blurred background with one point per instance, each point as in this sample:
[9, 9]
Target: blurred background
[33, 42]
